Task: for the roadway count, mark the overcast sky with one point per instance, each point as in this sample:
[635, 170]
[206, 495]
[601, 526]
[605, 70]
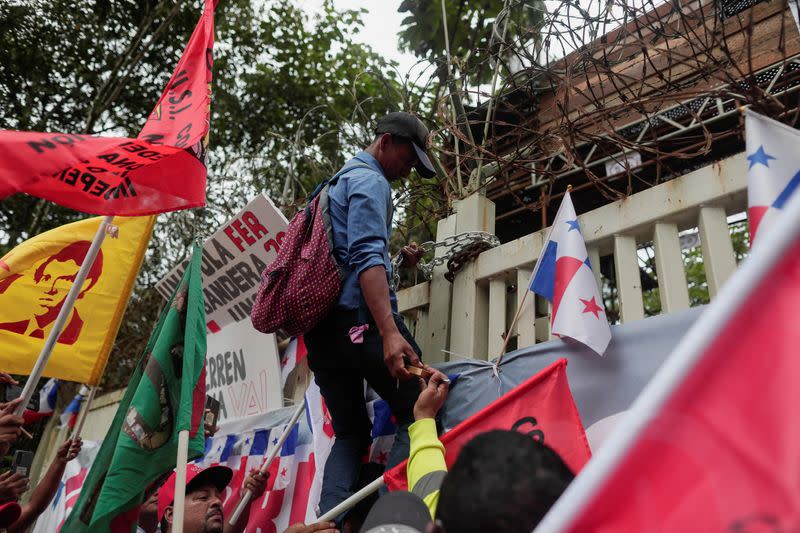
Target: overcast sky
[381, 25]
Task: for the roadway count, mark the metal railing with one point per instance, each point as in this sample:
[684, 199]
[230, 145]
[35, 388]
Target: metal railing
[470, 316]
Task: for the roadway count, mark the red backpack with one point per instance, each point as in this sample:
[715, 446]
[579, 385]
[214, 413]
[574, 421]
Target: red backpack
[303, 283]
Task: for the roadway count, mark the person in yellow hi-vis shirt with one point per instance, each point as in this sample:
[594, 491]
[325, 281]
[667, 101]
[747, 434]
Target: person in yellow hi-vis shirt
[426, 467]
[502, 481]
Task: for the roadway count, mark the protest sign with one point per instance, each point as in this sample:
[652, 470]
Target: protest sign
[243, 373]
[233, 259]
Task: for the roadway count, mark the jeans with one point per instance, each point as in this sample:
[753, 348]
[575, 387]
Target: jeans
[340, 368]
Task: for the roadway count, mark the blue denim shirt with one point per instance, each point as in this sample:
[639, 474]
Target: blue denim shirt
[361, 217]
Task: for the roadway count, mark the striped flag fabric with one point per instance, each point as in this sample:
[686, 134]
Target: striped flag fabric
[295, 352]
[69, 488]
[70, 414]
[295, 480]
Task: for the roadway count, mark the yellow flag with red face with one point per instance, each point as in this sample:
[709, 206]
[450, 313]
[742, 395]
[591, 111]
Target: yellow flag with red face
[35, 278]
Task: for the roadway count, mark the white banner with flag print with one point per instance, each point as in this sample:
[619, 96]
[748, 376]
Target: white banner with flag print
[233, 259]
[69, 488]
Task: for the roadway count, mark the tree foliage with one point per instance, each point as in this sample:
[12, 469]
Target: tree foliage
[469, 30]
[293, 97]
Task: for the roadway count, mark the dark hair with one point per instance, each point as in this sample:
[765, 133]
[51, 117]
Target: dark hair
[502, 481]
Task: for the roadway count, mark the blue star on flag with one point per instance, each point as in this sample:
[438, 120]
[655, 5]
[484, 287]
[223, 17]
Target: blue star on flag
[759, 156]
[573, 224]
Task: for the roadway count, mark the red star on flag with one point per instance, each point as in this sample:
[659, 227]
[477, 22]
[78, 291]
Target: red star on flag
[283, 472]
[383, 457]
[590, 306]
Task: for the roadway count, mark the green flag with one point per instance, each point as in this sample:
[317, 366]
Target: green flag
[166, 395]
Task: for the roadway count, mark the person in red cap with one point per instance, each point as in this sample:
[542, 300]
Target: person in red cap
[9, 513]
[205, 488]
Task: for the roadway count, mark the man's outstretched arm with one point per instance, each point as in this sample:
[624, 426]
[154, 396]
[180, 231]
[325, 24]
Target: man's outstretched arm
[375, 289]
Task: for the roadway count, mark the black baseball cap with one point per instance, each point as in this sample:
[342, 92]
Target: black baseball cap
[409, 127]
[397, 512]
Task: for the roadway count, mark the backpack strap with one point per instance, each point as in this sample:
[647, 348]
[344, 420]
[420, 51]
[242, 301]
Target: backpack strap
[324, 210]
[330, 182]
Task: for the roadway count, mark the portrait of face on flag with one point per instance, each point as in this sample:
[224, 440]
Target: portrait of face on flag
[35, 278]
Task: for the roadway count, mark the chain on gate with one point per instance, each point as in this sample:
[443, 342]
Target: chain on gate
[463, 248]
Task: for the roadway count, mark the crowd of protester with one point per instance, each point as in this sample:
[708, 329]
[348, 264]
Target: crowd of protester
[502, 481]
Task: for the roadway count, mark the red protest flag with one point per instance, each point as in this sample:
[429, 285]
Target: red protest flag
[712, 444]
[162, 170]
[542, 407]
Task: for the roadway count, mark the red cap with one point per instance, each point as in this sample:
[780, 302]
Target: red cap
[219, 476]
[9, 513]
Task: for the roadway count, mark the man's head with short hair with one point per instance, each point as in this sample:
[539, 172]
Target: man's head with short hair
[52, 280]
[502, 481]
[401, 143]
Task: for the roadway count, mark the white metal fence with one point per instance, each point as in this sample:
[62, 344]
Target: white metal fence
[468, 317]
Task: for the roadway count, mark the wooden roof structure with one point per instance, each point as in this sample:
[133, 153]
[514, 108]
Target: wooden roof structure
[651, 100]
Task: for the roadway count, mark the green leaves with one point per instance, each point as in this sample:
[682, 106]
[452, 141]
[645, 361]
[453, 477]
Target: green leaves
[294, 95]
[469, 28]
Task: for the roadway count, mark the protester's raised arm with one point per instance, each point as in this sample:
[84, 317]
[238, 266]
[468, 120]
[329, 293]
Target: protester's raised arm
[426, 465]
[44, 492]
[256, 483]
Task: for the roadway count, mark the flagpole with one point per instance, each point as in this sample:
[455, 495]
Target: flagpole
[63, 314]
[248, 495]
[528, 288]
[513, 325]
[180, 481]
[686, 355]
[353, 500]
[82, 418]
